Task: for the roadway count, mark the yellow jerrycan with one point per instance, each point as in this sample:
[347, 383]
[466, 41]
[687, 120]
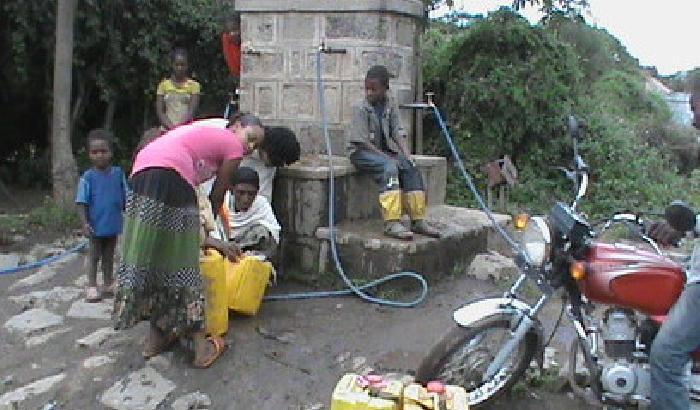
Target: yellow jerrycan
[246, 281]
[213, 269]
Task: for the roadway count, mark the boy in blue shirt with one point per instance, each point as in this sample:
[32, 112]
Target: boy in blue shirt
[101, 197]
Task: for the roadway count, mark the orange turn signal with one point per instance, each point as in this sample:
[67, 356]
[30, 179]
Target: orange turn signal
[578, 270]
[520, 221]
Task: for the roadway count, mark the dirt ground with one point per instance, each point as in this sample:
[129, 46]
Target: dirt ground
[289, 356]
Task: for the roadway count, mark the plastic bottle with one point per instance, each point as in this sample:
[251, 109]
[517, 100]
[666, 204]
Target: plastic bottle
[438, 387]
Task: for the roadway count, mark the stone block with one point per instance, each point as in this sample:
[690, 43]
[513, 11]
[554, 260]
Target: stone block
[257, 28]
[144, 389]
[301, 205]
[404, 7]
[492, 266]
[44, 273]
[405, 95]
[15, 398]
[192, 401]
[353, 93]
[298, 27]
[265, 98]
[81, 309]
[295, 63]
[333, 97]
[330, 63]
[98, 361]
[45, 337]
[247, 96]
[405, 31]
[47, 298]
[9, 260]
[316, 167]
[264, 64]
[434, 172]
[360, 26]
[33, 320]
[297, 101]
[312, 141]
[347, 68]
[363, 194]
[96, 338]
[407, 75]
[388, 57]
[302, 255]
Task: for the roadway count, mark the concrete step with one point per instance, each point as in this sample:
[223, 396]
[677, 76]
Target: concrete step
[366, 253]
[300, 196]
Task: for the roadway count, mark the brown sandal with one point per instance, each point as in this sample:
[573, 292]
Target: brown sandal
[220, 347]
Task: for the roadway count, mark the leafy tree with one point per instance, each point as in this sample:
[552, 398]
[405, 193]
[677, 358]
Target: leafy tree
[121, 52]
[549, 7]
[507, 83]
[507, 88]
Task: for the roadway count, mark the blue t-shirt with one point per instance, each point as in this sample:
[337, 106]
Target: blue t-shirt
[104, 193]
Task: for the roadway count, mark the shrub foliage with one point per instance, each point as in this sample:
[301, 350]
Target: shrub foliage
[507, 87]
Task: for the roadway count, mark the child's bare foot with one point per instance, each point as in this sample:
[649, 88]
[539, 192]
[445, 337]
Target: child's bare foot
[108, 291]
[91, 294]
[157, 342]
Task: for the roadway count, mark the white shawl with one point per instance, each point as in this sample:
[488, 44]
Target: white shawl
[260, 212]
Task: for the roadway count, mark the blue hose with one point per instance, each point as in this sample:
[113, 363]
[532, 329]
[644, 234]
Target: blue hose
[352, 288]
[470, 183]
[44, 262]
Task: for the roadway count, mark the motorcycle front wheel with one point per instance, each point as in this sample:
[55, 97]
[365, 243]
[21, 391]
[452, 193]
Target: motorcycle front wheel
[463, 355]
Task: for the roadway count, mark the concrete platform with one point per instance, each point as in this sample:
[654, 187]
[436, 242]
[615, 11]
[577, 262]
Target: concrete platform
[300, 200]
[300, 195]
[366, 253]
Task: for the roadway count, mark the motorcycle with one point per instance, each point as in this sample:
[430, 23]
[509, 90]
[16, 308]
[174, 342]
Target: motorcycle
[615, 295]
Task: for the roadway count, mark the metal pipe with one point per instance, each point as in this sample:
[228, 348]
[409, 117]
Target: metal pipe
[516, 286]
[508, 348]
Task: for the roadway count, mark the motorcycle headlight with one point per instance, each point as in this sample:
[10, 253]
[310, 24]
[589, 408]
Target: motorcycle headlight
[536, 240]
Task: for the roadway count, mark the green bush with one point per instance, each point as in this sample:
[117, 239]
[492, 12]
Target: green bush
[54, 216]
[507, 88]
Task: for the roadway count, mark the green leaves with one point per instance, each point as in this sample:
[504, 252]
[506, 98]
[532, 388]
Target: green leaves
[121, 52]
[507, 88]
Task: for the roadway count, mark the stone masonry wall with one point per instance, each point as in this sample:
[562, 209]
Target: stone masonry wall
[280, 39]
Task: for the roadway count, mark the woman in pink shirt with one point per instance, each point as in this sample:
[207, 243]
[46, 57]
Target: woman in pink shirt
[159, 276]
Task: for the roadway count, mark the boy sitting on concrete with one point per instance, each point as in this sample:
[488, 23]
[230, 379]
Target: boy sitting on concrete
[377, 145]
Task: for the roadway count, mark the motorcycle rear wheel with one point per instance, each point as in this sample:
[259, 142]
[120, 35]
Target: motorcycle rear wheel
[459, 360]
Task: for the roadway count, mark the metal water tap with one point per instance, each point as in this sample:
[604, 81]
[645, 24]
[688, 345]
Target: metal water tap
[429, 95]
[323, 48]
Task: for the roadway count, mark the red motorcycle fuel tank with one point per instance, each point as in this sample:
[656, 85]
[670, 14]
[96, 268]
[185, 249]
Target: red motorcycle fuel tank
[622, 275]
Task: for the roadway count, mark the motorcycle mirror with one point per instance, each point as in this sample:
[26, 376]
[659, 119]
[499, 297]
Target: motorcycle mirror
[573, 127]
[680, 216]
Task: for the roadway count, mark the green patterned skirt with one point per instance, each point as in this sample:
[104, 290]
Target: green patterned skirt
[158, 276]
